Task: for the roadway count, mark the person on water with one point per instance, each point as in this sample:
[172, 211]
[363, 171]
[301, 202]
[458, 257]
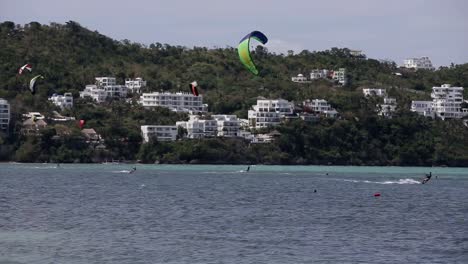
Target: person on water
[248, 168]
[428, 177]
[133, 170]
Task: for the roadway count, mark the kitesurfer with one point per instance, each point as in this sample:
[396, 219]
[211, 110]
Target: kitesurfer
[133, 170]
[248, 168]
[428, 177]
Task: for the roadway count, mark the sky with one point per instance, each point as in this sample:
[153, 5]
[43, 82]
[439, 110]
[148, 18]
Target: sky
[382, 29]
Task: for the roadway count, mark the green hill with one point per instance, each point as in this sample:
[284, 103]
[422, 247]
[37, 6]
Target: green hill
[70, 56]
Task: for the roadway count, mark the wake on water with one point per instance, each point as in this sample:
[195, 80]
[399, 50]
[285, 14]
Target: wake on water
[400, 181]
[46, 167]
[122, 171]
[223, 172]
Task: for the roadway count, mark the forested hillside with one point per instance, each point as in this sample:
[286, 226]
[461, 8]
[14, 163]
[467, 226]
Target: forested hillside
[70, 56]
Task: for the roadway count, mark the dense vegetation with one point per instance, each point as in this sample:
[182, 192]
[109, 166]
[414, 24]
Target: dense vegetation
[70, 56]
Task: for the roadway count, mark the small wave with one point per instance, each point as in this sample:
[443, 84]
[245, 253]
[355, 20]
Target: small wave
[400, 181]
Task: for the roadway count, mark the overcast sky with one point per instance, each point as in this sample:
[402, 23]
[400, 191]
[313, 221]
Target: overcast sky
[382, 29]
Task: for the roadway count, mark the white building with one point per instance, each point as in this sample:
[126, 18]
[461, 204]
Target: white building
[96, 93]
[62, 101]
[228, 125]
[356, 53]
[319, 74]
[319, 106]
[374, 92]
[160, 133]
[423, 108]
[269, 112]
[4, 114]
[177, 102]
[197, 127]
[300, 79]
[447, 100]
[116, 91]
[105, 87]
[135, 85]
[388, 107]
[446, 103]
[340, 76]
[418, 63]
[217, 125]
[105, 81]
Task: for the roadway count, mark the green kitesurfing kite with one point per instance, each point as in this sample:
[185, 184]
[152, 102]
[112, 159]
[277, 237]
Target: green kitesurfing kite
[244, 49]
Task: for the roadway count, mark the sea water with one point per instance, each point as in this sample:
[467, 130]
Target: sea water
[96, 213]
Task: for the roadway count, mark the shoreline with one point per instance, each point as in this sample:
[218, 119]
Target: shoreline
[229, 164]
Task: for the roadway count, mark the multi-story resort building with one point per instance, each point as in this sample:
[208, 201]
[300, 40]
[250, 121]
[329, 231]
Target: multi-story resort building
[104, 88]
[340, 76]
[160, 133]
[96, 93]
[228, 125]
[113, 90]
[216, 125]
[62, 101]
[177, 102]
[320, 107]
[423, 108]
[105, 81]
[135, 85]
[4, 114]
[388, 107]
[418, 63]
[198, 127]
[269, 112]
[446, 103]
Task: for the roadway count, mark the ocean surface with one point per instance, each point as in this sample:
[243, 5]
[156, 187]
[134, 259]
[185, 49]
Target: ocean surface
[101, 213]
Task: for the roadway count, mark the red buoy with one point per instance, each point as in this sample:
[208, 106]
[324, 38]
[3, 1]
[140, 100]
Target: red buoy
[376, 194]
